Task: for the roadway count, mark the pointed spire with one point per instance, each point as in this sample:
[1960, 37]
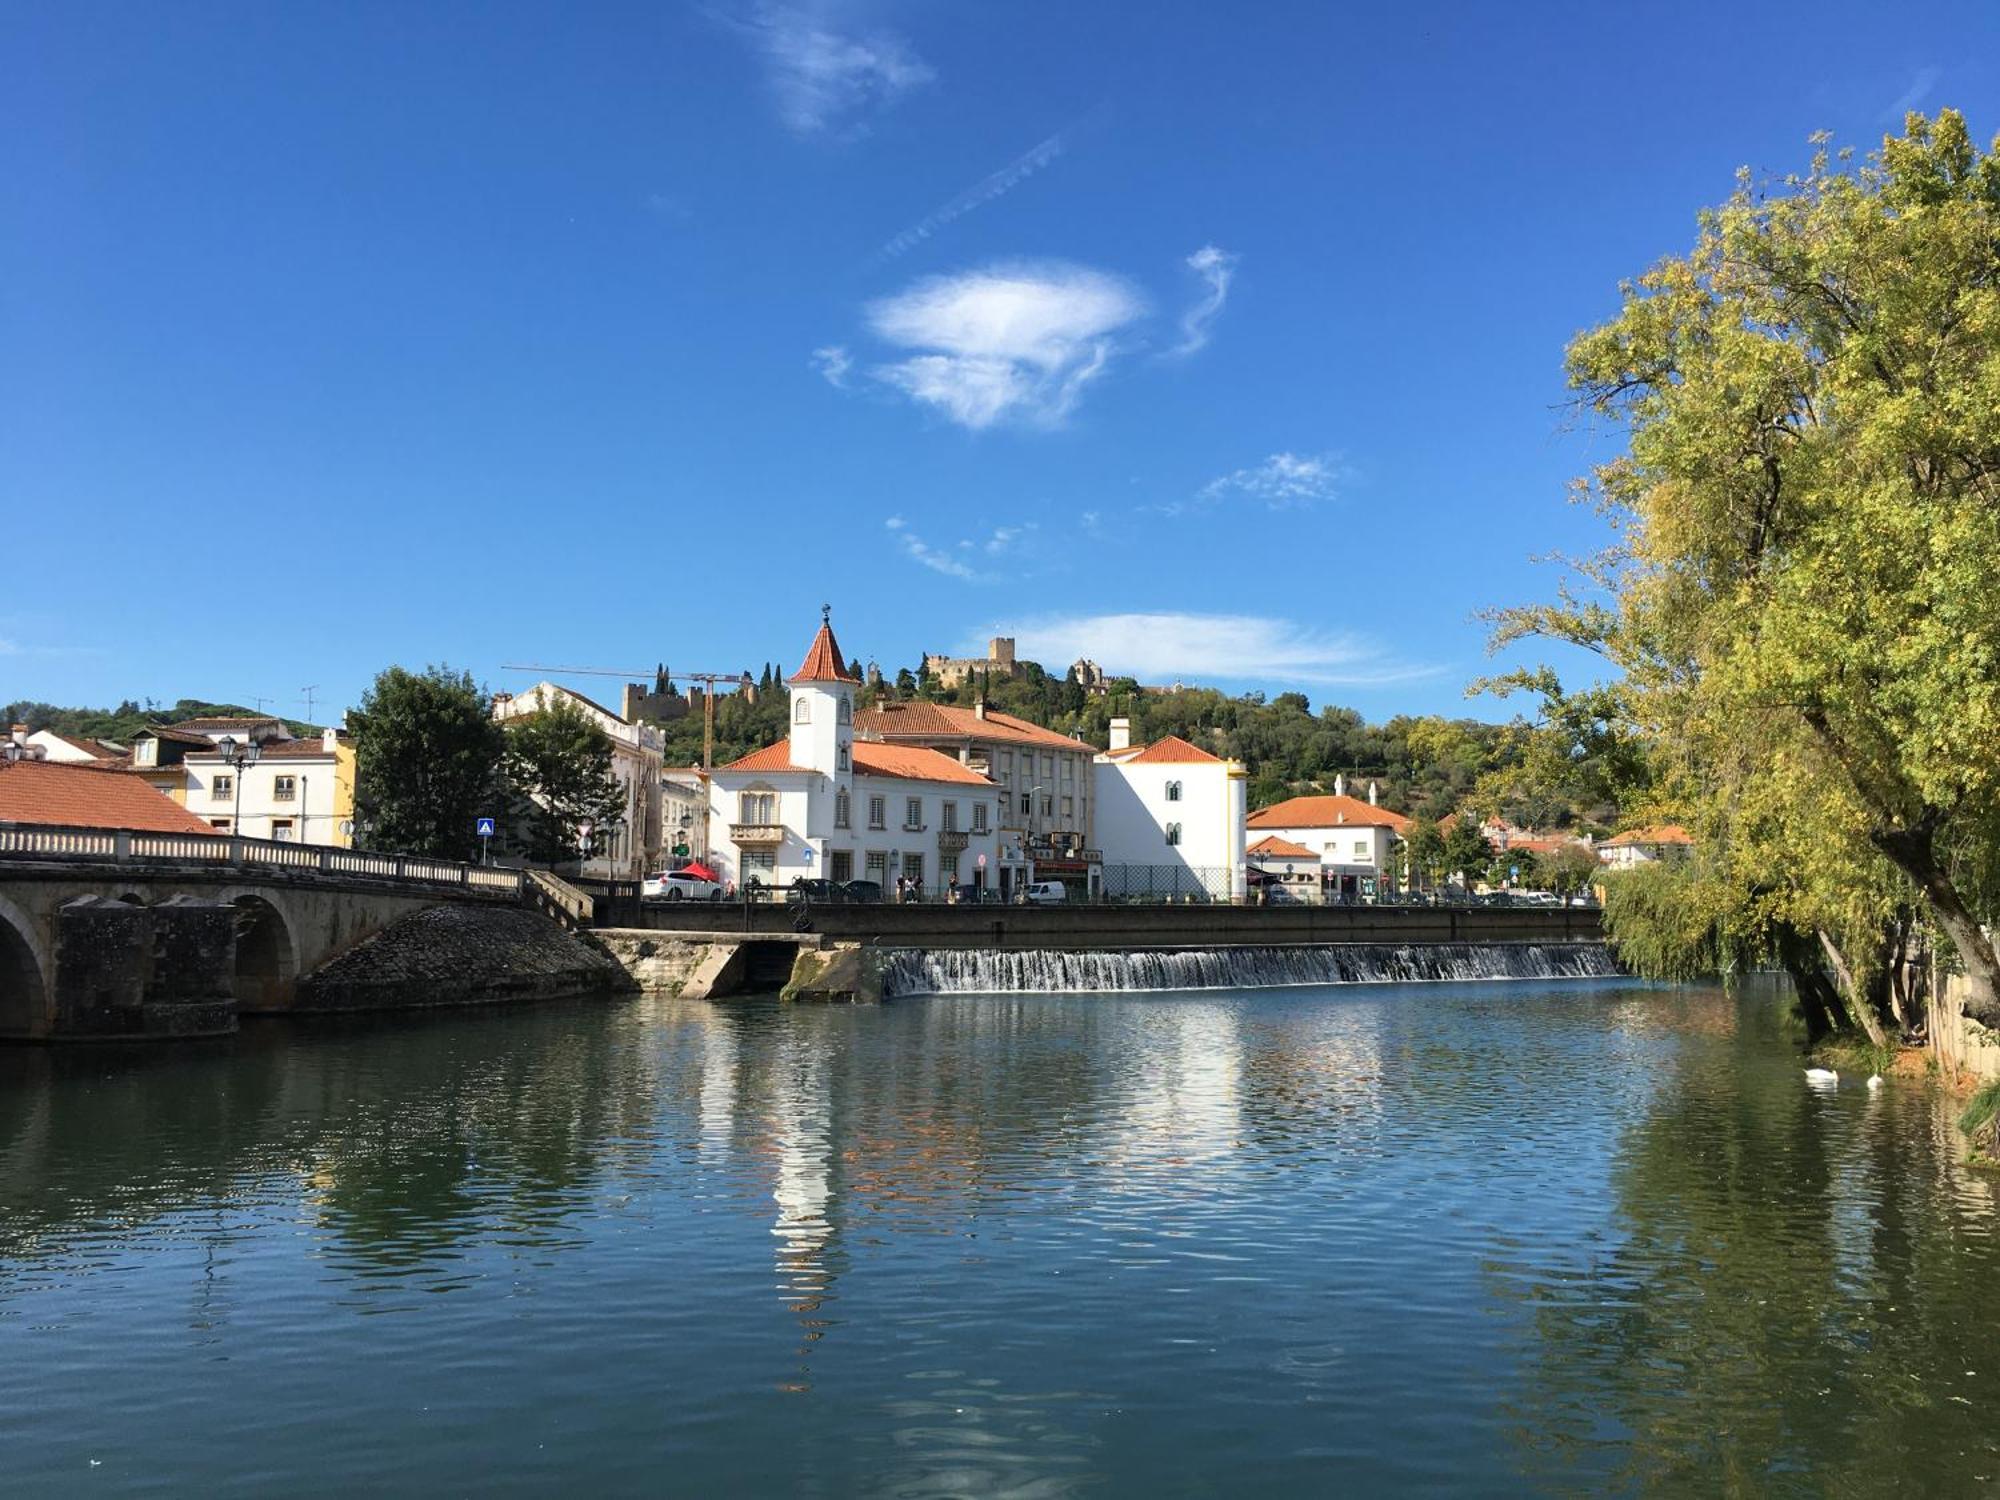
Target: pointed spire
[823, 662]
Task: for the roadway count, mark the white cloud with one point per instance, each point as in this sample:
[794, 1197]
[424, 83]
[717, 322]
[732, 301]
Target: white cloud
[982, 192]
[833, 362]
[998, 543]
[1013, 342]
[920, 551]
[821, 76]
[1163, 647]
[1282, 480]
[1918, 91]
[1216, 268]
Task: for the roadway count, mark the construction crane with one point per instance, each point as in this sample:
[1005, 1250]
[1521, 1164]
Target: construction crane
[710, 679]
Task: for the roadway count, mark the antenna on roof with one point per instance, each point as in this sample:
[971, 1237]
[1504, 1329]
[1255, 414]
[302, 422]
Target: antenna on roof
[309, 691]
[260, 702]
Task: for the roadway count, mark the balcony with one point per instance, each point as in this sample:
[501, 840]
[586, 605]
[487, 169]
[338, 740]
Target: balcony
[750, 835]
[951, 841]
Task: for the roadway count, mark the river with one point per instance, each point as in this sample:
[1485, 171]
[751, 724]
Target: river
[1578, 1237]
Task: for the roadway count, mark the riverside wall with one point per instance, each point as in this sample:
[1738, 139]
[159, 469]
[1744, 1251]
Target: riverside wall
[1141, 927]
[1967, 1053]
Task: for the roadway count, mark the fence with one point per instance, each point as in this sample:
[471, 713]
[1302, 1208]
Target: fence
[124, 847]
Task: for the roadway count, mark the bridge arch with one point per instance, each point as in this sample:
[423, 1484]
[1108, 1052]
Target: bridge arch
[267, 954]
[24, 976]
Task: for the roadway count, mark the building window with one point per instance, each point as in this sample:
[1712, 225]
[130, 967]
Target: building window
[284, 788]
[878, 865]
[913, 814]
[1048, 807]
[219, 823]
[802, 710]
[979, 817]
[1048, 765]
[1069, 808]
[913, 868]
[756, 807]
[760, 865]
[878, 812]
[948, 870]
[222, 788]
[1174, 835]
[147, 753]
[846, 714]
[841, 811]
[840, 758]
[1173, 791]
[281, 830]
[1361, 849]
[951, 817]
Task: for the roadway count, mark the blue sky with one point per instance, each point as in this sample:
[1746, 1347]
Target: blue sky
[1216, 342]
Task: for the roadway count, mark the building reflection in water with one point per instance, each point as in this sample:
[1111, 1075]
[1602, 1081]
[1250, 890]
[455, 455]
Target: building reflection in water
[800, 1114]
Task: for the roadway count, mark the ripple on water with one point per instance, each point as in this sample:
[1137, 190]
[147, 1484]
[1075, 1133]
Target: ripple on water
[1474, 1238]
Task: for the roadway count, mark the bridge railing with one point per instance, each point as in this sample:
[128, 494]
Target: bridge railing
[123, 847]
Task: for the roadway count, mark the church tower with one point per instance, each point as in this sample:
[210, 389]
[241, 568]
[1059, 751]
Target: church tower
[823, 708]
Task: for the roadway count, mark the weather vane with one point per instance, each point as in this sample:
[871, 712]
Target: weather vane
[826, 614]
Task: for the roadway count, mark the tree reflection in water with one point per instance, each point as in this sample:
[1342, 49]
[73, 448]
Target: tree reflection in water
[1777, 1305]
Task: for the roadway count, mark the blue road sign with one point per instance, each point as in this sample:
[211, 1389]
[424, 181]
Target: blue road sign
[484, 828]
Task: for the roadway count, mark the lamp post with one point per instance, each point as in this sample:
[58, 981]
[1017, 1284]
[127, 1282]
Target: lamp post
[236, 756]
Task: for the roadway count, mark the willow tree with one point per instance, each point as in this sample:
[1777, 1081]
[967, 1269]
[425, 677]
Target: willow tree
[1804, 600]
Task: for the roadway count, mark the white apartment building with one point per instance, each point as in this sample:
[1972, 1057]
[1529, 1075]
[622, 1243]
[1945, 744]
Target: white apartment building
[1645, 846]
[1047, 791]
[825, 803]
[683, 813]
[1170, 819]
[301, 790]
[1355, 840]
[631, 850]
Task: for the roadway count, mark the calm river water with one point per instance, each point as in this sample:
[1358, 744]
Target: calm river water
[1508, 1238]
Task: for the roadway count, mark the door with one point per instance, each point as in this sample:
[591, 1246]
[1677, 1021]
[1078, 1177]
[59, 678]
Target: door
[840, 865]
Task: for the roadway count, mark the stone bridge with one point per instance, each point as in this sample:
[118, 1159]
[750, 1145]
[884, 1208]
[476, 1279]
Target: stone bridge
[114, 934]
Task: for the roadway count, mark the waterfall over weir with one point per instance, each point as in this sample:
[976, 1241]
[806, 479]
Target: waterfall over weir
[973, 971]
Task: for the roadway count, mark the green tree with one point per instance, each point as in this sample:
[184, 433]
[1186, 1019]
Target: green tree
[1424, 845]
[1466, 851]
[557, 765]
[1802, 600]
[427, 761]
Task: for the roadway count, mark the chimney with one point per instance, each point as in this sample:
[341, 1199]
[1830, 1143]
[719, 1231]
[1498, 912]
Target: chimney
[979, 708]
[1340, 786]
[1121, 734]
[1371, 794]
[19, 734]
[328, 740]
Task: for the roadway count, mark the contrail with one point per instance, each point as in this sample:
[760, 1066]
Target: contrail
[984, 191]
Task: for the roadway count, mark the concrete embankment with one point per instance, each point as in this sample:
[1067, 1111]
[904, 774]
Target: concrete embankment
[703, 965]
[462, 955]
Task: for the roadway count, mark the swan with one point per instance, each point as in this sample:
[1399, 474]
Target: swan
[1821, 1078]
[1874, 1081]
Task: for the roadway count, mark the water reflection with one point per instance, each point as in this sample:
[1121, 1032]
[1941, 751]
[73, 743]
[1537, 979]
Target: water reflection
[1475, 1238]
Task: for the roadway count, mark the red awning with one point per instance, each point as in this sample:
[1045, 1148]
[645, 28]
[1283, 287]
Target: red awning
[699, 871]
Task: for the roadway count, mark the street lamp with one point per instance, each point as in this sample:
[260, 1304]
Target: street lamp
[236, 756]
[583, 839]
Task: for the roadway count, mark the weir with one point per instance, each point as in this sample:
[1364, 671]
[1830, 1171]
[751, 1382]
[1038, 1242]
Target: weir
[988, 971]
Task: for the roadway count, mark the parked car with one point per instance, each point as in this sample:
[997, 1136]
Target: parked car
[824, 892]
[863, 892]
[680, 885]
[1045, 893]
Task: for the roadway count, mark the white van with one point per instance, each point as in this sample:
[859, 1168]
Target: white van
[1045, 892]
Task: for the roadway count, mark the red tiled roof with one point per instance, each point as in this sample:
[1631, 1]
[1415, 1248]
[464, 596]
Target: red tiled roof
[222, 724]
[823, 663]
[1662, 833]
[1327, 812]
[173, 733]
[1274, 847]
[76, 795]
[1173, 750]
[943, 721]
[906, 762]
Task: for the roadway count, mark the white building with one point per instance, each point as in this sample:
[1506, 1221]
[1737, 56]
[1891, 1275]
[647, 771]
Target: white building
[631, 850]
[684, 813]
[300, 790]
[1047, 796]
[1355, 840]
[1169, 819]
[71, 748]
[1645, 846]
[825, 803]
[1279, 862]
